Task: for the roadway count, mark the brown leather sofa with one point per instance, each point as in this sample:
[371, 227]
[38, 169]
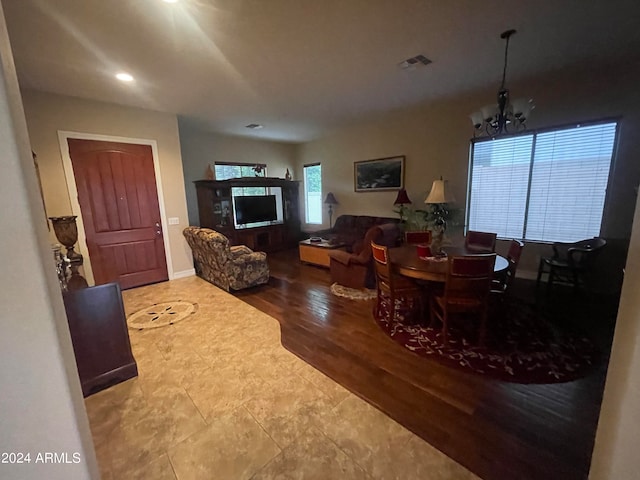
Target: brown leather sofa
[356, 269]
[351, 229]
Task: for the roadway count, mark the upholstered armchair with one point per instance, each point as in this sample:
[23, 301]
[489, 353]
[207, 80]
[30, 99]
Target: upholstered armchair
[356, 270]
[227, 267]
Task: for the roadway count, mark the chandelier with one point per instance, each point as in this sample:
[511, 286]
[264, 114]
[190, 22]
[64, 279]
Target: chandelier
[505, 116]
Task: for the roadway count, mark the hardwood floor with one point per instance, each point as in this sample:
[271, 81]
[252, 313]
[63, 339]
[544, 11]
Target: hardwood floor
[497, 430]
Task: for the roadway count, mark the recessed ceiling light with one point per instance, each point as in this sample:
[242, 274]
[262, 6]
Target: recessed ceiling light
[254, 126]
[170, 1]
[124, 77]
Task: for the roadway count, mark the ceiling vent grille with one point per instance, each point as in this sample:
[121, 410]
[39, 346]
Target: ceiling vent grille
[414, 62]
[254, 126]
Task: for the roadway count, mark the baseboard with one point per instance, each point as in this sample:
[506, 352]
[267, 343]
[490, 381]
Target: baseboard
[184, 274]
[526, 274]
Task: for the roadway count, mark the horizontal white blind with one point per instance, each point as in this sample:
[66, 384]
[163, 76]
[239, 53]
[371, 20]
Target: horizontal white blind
[499, 181]
[564, 181]
[569, 183]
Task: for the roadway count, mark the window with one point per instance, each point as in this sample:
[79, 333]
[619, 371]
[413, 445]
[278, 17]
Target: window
[543, 186]
[313, 193]
[225, 171]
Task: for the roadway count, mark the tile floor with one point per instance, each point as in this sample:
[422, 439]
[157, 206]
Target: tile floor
[218, 397]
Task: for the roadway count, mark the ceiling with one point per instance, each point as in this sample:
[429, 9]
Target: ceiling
[303, 67]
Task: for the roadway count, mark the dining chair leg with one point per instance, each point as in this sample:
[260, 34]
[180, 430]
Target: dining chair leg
[392, 306]
[540, 271]
[378, 306]
[432, 315]
[550, 279]
[445, 321]
[420, 309]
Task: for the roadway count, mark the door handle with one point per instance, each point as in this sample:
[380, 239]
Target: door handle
[158, 229]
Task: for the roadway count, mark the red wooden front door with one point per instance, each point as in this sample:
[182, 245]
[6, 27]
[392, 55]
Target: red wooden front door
[120, 211]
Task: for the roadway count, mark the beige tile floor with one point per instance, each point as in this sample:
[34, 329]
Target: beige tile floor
[218, 397]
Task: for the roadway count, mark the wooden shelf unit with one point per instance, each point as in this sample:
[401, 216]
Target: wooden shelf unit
[216, 211]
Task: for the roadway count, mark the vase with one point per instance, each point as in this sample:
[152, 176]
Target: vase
[209, 173]
[436, 242]
[66, 232]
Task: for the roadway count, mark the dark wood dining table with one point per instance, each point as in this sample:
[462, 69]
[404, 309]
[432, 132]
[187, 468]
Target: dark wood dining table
[405, 261]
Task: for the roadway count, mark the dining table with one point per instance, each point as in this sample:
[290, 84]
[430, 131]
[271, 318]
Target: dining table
[405, 261]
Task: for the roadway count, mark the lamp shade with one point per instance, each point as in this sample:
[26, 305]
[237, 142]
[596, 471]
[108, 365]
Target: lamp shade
[439, 192]
[402, 198]
[330, 199]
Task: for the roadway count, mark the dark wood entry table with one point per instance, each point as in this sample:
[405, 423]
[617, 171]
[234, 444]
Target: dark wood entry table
[405, 261]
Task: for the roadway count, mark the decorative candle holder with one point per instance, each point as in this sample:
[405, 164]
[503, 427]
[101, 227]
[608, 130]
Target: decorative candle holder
[66, 232]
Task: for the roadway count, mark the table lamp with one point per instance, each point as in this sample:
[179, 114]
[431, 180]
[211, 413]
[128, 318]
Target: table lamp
[331, 201]
[439, 197]
[402, 199]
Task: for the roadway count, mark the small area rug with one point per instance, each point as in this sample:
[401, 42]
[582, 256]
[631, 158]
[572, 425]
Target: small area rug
[353, 293]
[521, 345]
[161, 314]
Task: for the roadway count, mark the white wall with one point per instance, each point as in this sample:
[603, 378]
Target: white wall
[48, 113]
[200, 148]
[41, 405]
[616, 450]
[435, 140]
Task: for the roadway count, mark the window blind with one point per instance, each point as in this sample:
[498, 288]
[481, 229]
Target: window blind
[499, 182]
[569, 183]
[547, 186]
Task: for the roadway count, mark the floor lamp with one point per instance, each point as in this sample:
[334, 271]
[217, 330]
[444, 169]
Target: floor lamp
[331, 201]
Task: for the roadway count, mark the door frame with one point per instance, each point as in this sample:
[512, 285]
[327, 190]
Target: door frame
[72, 189]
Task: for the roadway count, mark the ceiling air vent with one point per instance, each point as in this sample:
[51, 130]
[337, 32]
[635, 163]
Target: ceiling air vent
[413, 62]
[254, 126]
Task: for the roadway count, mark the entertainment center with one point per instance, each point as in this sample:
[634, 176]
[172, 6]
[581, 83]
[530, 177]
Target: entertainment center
[259, 212]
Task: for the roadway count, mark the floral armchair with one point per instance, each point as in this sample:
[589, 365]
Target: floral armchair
[227, 267]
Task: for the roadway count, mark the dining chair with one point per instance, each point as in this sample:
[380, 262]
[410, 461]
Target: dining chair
[395, 286]
[417, 237]
[502, 282]
[571, 262]
[481, 242]
[466, 291]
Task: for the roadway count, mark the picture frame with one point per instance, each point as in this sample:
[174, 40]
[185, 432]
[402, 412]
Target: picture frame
[379, 175]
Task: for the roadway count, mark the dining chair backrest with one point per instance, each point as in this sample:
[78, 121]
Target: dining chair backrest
[480, 241]
[417, 237]
[381, 259]
[513, 257]
[579, 254]
[469, 276]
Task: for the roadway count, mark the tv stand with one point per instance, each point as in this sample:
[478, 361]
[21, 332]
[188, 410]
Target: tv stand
[216, 211]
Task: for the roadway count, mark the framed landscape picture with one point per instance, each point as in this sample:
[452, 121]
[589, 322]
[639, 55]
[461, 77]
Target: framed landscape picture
[379, 174]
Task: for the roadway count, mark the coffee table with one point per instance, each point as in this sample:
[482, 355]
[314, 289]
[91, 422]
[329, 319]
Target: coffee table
[317, 253]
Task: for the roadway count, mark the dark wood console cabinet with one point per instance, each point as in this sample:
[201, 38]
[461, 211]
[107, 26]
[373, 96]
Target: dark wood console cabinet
[216, 211]
[100, 338]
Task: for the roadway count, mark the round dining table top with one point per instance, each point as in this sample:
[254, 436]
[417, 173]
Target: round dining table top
[405, 261]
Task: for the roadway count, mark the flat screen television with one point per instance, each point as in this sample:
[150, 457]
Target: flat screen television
[255, 209]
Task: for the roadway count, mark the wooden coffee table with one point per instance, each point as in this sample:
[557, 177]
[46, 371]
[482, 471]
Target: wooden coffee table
[317, 253]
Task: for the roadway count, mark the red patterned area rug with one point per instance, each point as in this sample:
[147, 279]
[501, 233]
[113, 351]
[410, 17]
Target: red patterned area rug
[521, 345]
